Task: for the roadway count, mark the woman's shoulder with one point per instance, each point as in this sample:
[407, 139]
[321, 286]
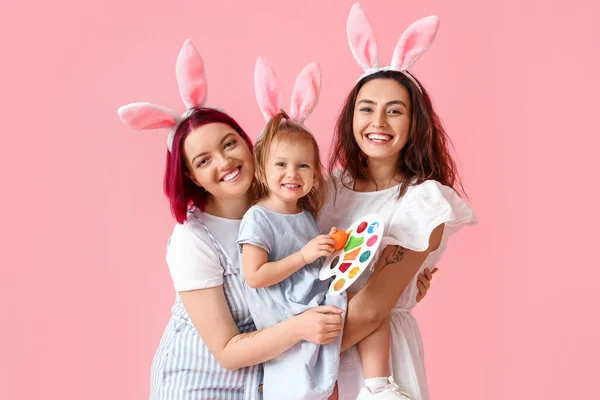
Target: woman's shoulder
[192, 232]
[192, 257]
[193, 223]
[425, 206]
[434, 193]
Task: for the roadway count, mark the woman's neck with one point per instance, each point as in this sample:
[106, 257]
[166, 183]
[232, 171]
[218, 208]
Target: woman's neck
[383, 173]
[231, 208]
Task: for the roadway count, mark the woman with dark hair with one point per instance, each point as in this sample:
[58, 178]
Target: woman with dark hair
[390, 155]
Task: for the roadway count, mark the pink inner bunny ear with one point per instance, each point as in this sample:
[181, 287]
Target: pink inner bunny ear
[190, 76]
[305, 94]
[415, 41]
[143, 116]
[361, 38]
[266, 89]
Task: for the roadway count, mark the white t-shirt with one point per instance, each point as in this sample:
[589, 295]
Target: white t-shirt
[191, 255]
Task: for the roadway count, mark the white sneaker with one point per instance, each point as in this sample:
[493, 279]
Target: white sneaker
[391, 391]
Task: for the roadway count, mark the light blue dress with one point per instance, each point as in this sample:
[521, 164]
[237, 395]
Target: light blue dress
[306, 371]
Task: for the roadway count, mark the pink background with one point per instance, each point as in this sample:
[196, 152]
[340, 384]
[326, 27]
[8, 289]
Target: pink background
[84, 289]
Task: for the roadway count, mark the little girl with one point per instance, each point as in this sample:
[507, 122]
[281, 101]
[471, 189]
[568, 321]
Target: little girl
[281, 247]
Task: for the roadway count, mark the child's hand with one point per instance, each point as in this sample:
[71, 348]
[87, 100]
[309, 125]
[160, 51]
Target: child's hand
[340, 237]
[320, 246]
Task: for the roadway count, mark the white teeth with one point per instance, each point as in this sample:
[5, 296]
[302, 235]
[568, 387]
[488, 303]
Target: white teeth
[290, 186]
[378, 138]
[231, 175]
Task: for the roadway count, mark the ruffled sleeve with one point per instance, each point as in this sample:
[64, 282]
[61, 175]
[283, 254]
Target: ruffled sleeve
[422, 209]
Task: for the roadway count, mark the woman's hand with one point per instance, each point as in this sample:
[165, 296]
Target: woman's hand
[319, 325]
[424, 283]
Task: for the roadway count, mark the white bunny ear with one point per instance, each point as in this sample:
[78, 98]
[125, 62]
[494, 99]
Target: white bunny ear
[361, 38]
[305, 94]
[415, 41]
[266, 89]
[190, 76]
[143, 116]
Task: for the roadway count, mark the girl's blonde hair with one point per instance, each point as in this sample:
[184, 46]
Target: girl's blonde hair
[280, 127]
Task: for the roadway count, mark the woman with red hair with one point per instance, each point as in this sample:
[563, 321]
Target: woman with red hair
[210, 348]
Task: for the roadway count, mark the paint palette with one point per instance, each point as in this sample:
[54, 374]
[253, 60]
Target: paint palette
[348, 263]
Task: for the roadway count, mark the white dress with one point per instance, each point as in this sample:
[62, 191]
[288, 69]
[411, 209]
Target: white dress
[409, 222]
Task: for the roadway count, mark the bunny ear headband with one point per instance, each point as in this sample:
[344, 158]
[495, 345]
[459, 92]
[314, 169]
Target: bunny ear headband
[305, 93]
[415, 41]
[192, 89]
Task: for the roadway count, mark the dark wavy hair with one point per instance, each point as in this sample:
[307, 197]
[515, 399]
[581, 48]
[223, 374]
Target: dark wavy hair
[426, 154]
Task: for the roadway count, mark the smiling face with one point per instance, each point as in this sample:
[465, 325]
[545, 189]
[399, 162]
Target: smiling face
[219, 160]
[382, 119]
[290, 169]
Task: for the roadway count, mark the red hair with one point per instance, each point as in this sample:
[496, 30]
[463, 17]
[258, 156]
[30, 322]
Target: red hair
[181, 191]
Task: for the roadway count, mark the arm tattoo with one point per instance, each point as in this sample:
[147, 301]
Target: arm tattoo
[246, 336]
[394, 257]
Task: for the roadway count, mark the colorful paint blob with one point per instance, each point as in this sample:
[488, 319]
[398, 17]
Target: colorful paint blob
[353, 272]
[352, 255]
[361, 227]
[372, 240]
[339, 284]
[353, 243]
[373, 226]
[345, 266]
[335, 262]
[365, 256]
